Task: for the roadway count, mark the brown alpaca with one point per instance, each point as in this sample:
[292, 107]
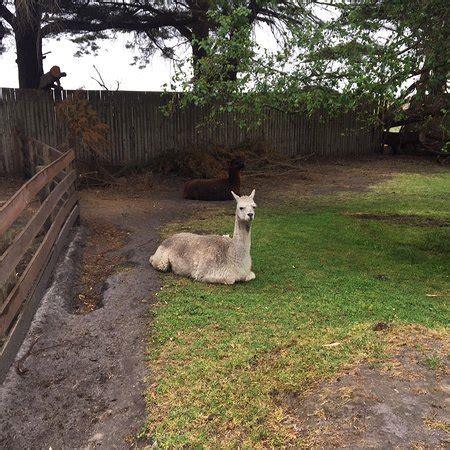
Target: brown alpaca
[218, 188]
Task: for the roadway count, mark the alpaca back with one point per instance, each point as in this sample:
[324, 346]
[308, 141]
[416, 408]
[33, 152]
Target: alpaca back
[202, 244]
[191, 254]
[210, 190]
[218, 189]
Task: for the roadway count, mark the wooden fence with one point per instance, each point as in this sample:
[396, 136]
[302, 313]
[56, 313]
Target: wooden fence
[139, 131]
[33, 236]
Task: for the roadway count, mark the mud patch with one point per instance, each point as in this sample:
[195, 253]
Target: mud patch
[99, 261]
[400, 401]
[81, 384]
[400, 219]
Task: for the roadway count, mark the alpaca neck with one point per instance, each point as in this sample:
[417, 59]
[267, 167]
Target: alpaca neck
[242, 236]
[234, 176]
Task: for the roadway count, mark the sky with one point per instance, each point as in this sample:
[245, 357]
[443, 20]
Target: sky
[113, 62]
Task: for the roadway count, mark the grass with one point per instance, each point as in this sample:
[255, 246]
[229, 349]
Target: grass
[225, 361]
[437, 424]
[434, 362]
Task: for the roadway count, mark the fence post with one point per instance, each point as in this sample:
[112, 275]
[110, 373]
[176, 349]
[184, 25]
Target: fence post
[41, 151]
[5, 289]
[45, 154]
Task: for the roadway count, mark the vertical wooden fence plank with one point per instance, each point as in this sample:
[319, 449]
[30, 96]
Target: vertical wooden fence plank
[139, 131]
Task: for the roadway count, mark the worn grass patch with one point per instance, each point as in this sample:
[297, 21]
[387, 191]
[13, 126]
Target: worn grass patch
[418, 221]
[222, 357]
[437, 423]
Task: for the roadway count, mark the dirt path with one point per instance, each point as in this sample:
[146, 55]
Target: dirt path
[80, 378]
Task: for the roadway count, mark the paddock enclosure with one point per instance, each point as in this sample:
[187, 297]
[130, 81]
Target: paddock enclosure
[139, 130]
[36, 140]
[34, 226]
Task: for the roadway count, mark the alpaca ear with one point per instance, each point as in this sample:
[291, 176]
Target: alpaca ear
[252, 194]
[236, 197]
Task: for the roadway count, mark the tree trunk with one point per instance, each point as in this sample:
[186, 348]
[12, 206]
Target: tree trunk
[29, 63]
[28, 43]
[200, 31]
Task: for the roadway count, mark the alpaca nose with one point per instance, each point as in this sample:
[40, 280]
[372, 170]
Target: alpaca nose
[250, 215]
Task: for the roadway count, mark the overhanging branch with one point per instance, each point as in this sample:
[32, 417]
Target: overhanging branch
[7, 15]
[59, 26]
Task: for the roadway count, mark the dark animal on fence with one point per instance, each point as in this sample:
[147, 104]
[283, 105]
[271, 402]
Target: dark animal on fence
[51, 79]
[218, 188]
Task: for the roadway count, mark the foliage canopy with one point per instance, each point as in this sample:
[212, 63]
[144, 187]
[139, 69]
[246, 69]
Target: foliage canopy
[330, 56]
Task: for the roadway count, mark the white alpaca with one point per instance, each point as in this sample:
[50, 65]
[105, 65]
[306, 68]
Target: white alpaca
[212, 258]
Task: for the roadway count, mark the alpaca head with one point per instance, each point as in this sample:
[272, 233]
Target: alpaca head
[236, 164]
[245, 209]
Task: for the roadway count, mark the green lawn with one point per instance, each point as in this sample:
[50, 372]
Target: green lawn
[222, 360]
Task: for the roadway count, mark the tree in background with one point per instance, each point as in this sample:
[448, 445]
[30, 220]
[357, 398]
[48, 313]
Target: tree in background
[336, 56]
[30, 21]
[390, 54]
[24, 21]
[395, 52]
[155, 26]
[206, 24]
[180, 25]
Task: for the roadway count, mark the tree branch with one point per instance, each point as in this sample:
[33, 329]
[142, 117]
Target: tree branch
[119, 25]
[6, 14]
[101, 82]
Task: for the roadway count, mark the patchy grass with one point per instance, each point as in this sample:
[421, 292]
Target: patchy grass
[224, 358]
[434, 362]
[436, 423]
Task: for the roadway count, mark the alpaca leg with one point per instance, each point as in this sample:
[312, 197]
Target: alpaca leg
[228, 281]
[250, 276]
[160, 260]
[217, 279]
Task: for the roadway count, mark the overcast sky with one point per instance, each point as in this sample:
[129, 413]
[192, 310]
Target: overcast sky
[113, 61]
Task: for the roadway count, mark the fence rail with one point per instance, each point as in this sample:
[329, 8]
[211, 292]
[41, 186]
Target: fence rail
[139, 131]
[33, 242]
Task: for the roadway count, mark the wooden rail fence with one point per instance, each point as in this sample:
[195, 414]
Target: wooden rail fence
[139, 131]
[34, 238]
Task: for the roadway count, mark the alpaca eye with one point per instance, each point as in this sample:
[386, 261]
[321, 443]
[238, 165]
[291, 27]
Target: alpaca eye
[241, 208]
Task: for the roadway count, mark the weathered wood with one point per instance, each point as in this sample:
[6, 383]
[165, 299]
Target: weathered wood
[7, 286]
[19, 201]
[13, 254]
[48, 153]
[140, 131]
[11, 306]
[18, 332]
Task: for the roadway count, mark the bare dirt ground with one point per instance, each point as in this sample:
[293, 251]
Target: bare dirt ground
[79, 381]
[401, 403]
[8, 185]
[79, 378]
[323, 177]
